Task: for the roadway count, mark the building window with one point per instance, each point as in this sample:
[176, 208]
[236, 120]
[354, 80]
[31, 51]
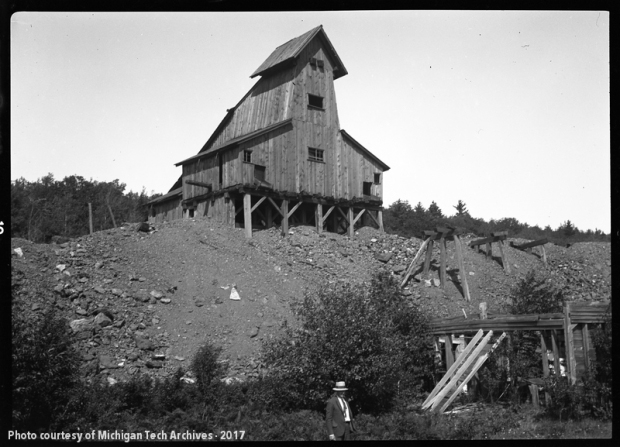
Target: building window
[247, 156]
[316, 154]
[259, 173]
[366, 188]
[315, 101]
[377, 178]
[191, 213]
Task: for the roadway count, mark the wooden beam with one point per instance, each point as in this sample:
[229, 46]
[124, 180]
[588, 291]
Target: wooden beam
[586, 355]
[247, 215]
[571, 364]
[343, 214]
[415, 259]
[380, 218]
[358, 216]
[318, 218]
[442, 262]
[275, 206]
[297, 205]
[351, 223]
[256, 205]
[531, 244]
[202, 184]
[545, 358]
[505, 262]
[489, 253]
[429, 255]
[483, 310]
[262, 217]
[544, 254]
[486, 240]
[461, 370]
[449, 352]
[556, 353]
[473, 371]
[460, 359]
[284, 213]
[459, 257]
[373, 218]
[326, 215]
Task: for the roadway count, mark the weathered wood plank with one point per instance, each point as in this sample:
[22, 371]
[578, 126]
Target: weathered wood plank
[412, 265]
[297, 205]
[257, 204]
[463, 273]
[284, 213]
[429, 256]
[442, 262]
[247, 215]
[505, 262]
[351, 222]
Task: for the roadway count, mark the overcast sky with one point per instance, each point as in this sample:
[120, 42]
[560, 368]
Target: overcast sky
[507, 111]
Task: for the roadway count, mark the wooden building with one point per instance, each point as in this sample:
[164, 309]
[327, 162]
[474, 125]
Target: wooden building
[279, 157]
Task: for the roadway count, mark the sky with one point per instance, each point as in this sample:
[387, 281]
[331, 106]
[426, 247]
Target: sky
[507, 111]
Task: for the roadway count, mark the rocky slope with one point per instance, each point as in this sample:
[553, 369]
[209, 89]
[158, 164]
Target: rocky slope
[147, 301]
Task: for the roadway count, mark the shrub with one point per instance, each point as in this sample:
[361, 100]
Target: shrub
[45, 369]
[371, 336]
[206, 368]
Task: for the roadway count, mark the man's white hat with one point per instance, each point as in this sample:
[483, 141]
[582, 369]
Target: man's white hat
[340, 387]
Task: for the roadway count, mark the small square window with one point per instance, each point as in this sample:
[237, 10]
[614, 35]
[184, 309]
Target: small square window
[315, 101]
[247, 156]
[377, 178]
[316, 154]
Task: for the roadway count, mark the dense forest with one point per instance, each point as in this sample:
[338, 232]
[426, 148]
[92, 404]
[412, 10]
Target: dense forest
[49, 207]
[402, 219]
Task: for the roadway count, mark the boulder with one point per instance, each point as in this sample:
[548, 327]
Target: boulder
[156, 294]
[399, 268]
[102, 320]
[144, 343]
[81, 325]
[384, 257]
[154, 364]
[105, 361]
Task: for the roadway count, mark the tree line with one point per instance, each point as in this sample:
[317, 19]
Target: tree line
[48, 207]
[402, 219]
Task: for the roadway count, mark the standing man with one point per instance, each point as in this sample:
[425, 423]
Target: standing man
[339, 418]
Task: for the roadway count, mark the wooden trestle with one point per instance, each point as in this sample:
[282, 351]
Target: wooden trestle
[266, 207]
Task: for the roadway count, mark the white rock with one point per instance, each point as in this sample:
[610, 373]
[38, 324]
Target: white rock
[61, 267]
[234, 295]
[19, 252]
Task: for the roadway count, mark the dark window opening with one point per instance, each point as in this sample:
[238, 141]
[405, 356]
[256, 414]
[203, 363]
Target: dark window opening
[259, 173]
[366, 188]
[319, 63]
[315, 101]
[247, 156]
[316, 154]
[377, 179]
[221, 168]
[191, 212]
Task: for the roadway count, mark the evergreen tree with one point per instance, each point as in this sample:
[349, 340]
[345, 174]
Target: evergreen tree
[435, 211]
[461, 209]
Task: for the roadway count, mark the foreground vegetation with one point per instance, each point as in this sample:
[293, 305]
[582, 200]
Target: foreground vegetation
[373, 338]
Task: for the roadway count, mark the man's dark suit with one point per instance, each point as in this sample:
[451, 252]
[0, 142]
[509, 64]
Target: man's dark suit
[334, 418]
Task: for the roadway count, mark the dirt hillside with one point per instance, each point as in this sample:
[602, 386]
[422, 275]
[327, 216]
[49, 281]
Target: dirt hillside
[147, 301]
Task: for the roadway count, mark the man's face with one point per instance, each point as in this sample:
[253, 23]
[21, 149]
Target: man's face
[340, 393]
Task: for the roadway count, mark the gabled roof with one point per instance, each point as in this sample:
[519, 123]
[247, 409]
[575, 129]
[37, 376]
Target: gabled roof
[235, 141]
[364, 150]
[286, 53]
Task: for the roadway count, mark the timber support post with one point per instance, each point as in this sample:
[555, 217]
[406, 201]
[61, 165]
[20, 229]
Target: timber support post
[284, 213]
[380, 219]
[498, 237]
[247, 214]
[350, 218]
[528, 248]
[319, 218]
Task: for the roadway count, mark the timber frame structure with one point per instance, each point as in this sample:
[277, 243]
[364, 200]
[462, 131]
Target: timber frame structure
[568, 334]
[279, 156]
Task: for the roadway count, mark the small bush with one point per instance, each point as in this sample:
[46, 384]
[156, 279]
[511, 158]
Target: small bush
[206, 367]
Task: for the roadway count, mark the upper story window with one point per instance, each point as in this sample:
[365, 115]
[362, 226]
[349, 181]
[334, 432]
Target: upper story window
[316, 154]
[366, 188]
[315, 101]
[377, 178]
[247, 156]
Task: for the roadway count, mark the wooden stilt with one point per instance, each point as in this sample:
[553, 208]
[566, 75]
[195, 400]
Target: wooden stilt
[449, 352]
[544, 254]
[534, 393]
[350, 219]
[319, 218]
[556, 354]
[545, 359]
[380, 219]
[459, 257]
[429, 256]
[489, 251]
[415, 259]
[358, 216]
[247, 215]
[284, 213]
[571, 363]
[505, 262]
[442, 262]
[586, 355]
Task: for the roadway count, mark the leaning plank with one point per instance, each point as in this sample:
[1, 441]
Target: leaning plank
[453, 368]
[358, 215]
[415, 259]
[473, 371]
[531, 244]
[326, 215]
[505, 262]
[373, 218]
[454, 380]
